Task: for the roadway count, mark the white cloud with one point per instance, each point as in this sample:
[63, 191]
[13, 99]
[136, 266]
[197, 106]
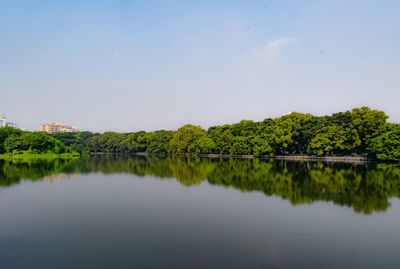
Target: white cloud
[273, 49]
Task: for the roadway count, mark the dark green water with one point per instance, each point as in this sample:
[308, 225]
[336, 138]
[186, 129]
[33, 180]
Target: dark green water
[127, 212]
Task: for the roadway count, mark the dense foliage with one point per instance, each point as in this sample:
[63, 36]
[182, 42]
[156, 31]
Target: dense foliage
[15, 141]
[359, 132]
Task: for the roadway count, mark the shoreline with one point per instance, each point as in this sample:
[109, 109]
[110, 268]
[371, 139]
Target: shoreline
[296, 158]
[344, 159]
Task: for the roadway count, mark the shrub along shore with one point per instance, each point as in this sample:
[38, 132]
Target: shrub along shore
[18, 145]
[29, 156]
[361, 134]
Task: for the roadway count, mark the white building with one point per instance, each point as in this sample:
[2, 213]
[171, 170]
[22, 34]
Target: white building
[5, 123]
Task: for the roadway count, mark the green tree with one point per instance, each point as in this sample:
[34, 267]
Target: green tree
[331, 139]
[36, 142]
[241, 146]
[222, 137]
[263, 142]
[185, 137]
[158, 141]
[387, 145]
[369, 123]
[289, 133]
[203, 145]
[262, 146]
[68, 138]
[6, 132]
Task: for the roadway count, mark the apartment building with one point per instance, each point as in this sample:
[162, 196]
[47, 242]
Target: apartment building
[57, 128]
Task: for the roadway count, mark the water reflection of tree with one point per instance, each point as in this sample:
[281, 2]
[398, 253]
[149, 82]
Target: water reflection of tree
[13, 172]
[365, 188]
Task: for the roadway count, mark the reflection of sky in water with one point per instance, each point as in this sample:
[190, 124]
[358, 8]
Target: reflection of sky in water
[111, 220]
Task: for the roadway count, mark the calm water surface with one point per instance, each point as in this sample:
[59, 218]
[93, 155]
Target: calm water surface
[127, 212]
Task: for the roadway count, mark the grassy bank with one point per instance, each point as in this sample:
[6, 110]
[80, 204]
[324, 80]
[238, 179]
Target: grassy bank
[29, 156]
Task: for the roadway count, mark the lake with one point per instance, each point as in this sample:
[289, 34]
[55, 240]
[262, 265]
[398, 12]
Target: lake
[138, 212]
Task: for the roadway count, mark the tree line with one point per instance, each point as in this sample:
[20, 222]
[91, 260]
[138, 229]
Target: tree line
[359, 132]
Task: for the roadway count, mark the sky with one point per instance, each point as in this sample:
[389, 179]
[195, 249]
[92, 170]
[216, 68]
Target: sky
[148, 65]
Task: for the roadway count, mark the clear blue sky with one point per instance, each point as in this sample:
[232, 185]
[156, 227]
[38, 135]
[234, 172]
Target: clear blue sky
[146, 65]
